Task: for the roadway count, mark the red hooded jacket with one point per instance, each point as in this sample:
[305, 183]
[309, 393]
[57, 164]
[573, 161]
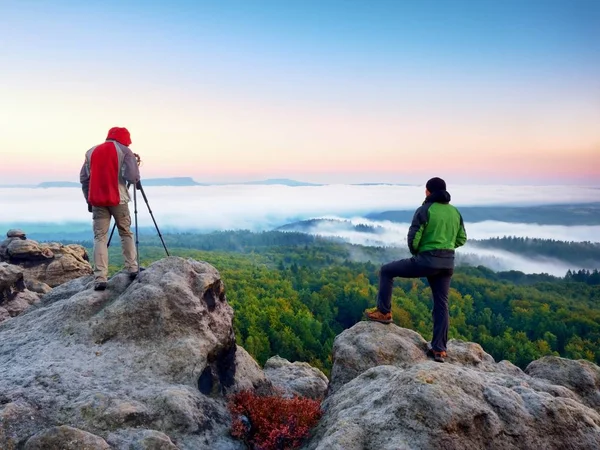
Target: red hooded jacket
[107, 168]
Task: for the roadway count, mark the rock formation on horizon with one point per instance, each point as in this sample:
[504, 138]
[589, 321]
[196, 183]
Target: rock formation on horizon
[29, 270]
[385, 394]
[50, 263]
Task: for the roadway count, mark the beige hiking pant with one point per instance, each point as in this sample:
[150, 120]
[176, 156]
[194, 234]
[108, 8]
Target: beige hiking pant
[101, 217]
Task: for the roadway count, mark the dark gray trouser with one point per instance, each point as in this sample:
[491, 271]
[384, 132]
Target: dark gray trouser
[439, 281]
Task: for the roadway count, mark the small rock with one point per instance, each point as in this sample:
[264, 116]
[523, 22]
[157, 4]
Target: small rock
[37, 286]
[65, 438]
[248, 374]
[11, 281]
[15, 233]
[297, 378]
[18, 419]
[153, 440]
[21, 302]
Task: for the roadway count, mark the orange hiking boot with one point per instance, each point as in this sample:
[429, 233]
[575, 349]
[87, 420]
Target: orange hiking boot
[377, 316]
[437, 356]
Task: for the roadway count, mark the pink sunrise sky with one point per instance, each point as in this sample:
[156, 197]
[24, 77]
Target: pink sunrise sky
[248, 100]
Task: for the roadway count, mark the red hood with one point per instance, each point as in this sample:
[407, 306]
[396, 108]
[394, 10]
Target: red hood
[120, 135]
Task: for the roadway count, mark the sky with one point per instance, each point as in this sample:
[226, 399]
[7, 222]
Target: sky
[325, 91]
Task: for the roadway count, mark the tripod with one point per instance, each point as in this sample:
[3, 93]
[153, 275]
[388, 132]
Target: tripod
[141, 189]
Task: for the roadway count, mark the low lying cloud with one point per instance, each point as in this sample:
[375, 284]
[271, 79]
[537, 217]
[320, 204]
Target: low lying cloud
[389, 234]
[394, 234]
[257, 208]
[266, 207]
[501, 260]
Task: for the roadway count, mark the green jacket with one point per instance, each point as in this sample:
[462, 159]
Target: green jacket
[436, 230]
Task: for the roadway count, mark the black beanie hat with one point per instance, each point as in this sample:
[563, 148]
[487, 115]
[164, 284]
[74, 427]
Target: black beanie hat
[436, 184]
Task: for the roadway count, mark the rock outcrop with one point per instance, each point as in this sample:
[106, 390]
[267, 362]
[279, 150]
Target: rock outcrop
[297, 378]
[14, 295]
[385, 394]
[50, 264]
[144, 364]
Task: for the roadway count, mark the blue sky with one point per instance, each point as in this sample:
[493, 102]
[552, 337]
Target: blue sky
[323, 90]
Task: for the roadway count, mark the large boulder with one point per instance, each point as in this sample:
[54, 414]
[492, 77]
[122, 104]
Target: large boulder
[49, 263]
[386, 394]
[143, 365]
[582, 377]
[297, 378]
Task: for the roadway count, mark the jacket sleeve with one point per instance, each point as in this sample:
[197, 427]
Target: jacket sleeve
[84, 178]
[131, 171]
[415, 232]
[461, 237]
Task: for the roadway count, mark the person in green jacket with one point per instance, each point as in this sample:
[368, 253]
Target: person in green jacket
[437, 229]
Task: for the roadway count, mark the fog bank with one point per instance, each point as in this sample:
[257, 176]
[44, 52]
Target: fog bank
[263, 207]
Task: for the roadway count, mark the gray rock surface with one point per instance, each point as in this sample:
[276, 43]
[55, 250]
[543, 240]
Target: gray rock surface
[385, 394]
[49, 263]
[297, 378]
[154, 355]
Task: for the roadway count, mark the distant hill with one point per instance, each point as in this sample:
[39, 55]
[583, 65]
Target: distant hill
[175, 181]
[280, 181]
[575, 214]
[382, 184]
[339, 225]
[57, 184]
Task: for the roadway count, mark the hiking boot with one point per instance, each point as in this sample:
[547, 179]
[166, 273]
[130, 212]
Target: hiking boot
[437, 356]
[100, 285]
[133, 275]
[377, 316]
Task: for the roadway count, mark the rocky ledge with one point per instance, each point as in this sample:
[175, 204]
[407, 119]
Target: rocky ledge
[148, 364]
[144, 364]
[385, 394]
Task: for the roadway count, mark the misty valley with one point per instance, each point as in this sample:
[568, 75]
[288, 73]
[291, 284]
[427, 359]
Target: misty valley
[297, 285]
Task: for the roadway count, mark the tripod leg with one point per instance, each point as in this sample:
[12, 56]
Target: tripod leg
[137, 242]
[152, 215]
[111, 234]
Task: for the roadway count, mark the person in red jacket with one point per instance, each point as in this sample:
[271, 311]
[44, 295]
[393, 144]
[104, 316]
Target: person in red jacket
[107, 169]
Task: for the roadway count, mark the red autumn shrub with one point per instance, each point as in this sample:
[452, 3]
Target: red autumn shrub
[272, 422]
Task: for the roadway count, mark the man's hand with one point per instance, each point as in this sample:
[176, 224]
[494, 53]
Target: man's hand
[138, 185]
[89, 207]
